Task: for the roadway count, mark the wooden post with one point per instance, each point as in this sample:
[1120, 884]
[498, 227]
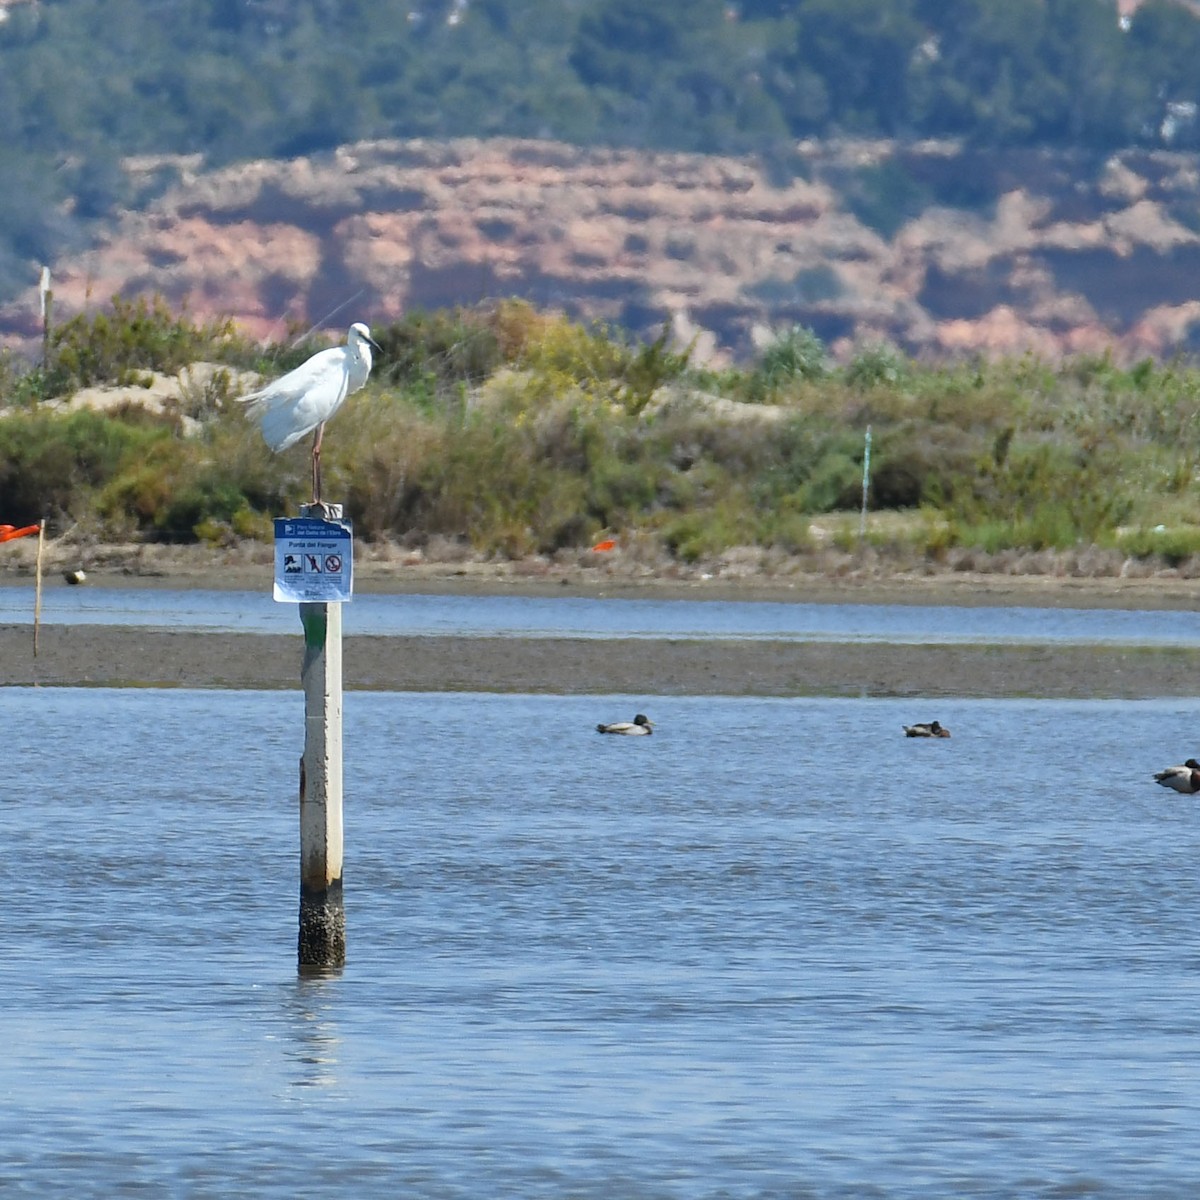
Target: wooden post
[862, 520]
[46, 297]
[322, 942]
[37, 587]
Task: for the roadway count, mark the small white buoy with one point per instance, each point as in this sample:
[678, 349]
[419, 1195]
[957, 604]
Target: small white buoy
[74, 577]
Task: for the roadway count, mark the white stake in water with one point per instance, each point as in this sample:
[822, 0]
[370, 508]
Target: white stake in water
[862, 521]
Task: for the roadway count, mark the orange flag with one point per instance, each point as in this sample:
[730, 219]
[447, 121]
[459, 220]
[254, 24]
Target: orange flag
[608, 544]
[8, 532]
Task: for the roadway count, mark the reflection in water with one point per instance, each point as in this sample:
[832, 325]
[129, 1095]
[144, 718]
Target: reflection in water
[312, 1032]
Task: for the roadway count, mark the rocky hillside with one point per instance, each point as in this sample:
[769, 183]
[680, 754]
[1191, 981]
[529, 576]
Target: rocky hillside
[940, 250]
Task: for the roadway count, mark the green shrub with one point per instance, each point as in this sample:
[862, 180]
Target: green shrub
[51, 464]
[684, 538]
[796, 354]
[20, 386]
[914, 463]
[647, 368]
[1044, 496]
[1174, 546]
[520, 432]
[198, 506]
[138, 335]
[877, 364]
[618, 493]
[134, 498]
[788, 531]
[835, 483]
[432, 355]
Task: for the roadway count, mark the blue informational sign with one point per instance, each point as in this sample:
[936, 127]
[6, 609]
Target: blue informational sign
[314, 560]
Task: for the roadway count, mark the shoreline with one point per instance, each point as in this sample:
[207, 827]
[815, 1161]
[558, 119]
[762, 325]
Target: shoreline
[178, 568]
[99, 655]
[125, 656]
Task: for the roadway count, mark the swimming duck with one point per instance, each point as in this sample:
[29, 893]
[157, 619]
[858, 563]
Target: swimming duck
[1184, 779]
[639, 725]
[931, 729]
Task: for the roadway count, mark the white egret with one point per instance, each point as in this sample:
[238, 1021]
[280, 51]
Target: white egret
[304, 399]
[640, 724]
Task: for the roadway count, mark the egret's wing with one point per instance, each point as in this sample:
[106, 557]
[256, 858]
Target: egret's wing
[296, 403]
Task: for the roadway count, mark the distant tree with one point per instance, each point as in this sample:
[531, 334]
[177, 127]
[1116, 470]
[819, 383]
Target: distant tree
[981, 77]
[1057, 72]
[31, 218]
[1083, 48]
[860, 51]
[1164, 50]
[679, 77]
[239, 79]
[625, 44]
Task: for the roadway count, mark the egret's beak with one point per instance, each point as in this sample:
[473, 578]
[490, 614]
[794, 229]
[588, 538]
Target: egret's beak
[374, 345]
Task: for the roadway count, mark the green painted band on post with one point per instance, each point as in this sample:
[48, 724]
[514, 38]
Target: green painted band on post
[315, 619]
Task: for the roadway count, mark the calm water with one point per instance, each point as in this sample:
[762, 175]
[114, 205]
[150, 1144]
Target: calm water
[256, 612]
[776, 950]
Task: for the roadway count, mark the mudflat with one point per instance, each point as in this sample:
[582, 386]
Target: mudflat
[125, 656]
[83, 655]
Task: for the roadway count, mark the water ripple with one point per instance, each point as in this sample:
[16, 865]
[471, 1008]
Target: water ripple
[714, 963]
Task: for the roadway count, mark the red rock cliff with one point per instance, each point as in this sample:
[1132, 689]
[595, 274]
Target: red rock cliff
[1005, 252]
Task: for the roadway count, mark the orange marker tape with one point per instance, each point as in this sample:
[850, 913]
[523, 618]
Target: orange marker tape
[8, 532]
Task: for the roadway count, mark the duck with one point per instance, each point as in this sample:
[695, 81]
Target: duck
[1184, 779]
[930, 729]
[641, 724]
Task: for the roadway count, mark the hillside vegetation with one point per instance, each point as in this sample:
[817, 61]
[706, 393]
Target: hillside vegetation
[86, 83]
[511, 432]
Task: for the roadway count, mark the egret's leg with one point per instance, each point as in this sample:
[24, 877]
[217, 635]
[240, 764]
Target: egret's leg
[316, 457]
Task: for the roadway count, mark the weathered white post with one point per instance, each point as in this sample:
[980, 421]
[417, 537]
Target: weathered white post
[315, 559]
[322, 911]
[46, 303]
[37, 587]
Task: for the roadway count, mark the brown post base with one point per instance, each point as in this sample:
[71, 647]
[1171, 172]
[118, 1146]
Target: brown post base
[322, 941]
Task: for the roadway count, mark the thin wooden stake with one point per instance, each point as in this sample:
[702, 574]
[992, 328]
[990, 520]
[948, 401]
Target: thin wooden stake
[862, 520]
[37, 587]
[46, 296]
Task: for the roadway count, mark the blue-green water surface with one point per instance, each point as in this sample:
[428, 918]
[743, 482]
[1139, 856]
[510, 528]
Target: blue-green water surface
[774, 950]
